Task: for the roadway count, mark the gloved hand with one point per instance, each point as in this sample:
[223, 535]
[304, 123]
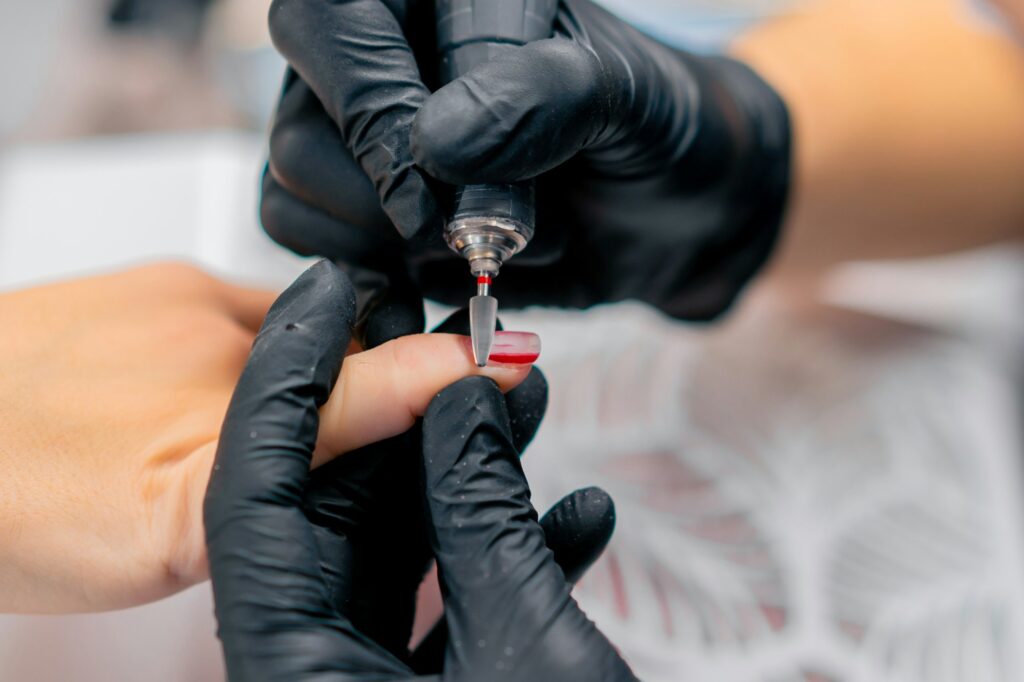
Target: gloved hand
[662, 176]
[301, 563]
[381, 489]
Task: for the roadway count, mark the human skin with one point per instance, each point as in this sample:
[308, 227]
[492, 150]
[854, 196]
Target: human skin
[112, 394]
[1014, 11]
[908, 125]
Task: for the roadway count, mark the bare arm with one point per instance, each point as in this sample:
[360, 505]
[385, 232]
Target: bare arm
[909, 122]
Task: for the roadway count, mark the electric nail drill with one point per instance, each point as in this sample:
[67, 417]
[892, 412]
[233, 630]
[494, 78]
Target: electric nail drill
[490, 223]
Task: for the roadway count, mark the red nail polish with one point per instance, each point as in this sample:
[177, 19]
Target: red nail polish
[515, 348]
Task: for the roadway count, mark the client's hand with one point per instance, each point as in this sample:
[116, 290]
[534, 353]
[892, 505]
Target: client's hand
[291, 553]
[113, 390]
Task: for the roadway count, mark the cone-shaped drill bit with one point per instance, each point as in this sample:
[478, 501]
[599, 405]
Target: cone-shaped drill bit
[483, 320]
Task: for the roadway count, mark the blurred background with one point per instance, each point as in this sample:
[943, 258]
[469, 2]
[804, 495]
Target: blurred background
[826, 488]
[93, 67]
[134, 130]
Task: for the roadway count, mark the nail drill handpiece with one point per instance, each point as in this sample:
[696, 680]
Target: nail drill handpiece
[490, 223]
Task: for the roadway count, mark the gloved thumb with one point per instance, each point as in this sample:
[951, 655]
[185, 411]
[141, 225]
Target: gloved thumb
[514, 117]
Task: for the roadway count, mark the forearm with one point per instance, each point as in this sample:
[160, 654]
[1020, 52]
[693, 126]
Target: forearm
[1014, 12]
[908, 125]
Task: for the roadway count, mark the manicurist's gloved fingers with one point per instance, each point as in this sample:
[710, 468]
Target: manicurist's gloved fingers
[381, 392]
[309, 158]
[357, 501]
[491, 551]
[514, 117]
[356, 59]
[390, 305]
[275, 606]
[577, 529]
[309, 231]
[520, 285]
[253, 502]
[526, 403]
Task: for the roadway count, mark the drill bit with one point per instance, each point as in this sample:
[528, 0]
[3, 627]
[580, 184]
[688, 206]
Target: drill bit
[483, 319]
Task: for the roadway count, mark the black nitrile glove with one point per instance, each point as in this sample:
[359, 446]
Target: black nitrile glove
[381, 486]
[662, 176]
[314, 574]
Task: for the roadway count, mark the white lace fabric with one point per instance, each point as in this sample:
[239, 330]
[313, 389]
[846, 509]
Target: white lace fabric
[805, 494]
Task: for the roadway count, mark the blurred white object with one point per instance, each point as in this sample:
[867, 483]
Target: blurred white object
[73, 208]
[252, 79]
[248, 69]
[805, 493]
[170, 641]
[30, 32]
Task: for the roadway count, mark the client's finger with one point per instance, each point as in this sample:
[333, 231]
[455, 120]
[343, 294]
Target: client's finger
[381, 392]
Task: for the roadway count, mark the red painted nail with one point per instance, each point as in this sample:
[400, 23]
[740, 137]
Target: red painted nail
[515, 348]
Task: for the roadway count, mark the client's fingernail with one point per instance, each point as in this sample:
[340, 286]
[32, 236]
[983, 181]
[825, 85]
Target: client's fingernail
[514, 348]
